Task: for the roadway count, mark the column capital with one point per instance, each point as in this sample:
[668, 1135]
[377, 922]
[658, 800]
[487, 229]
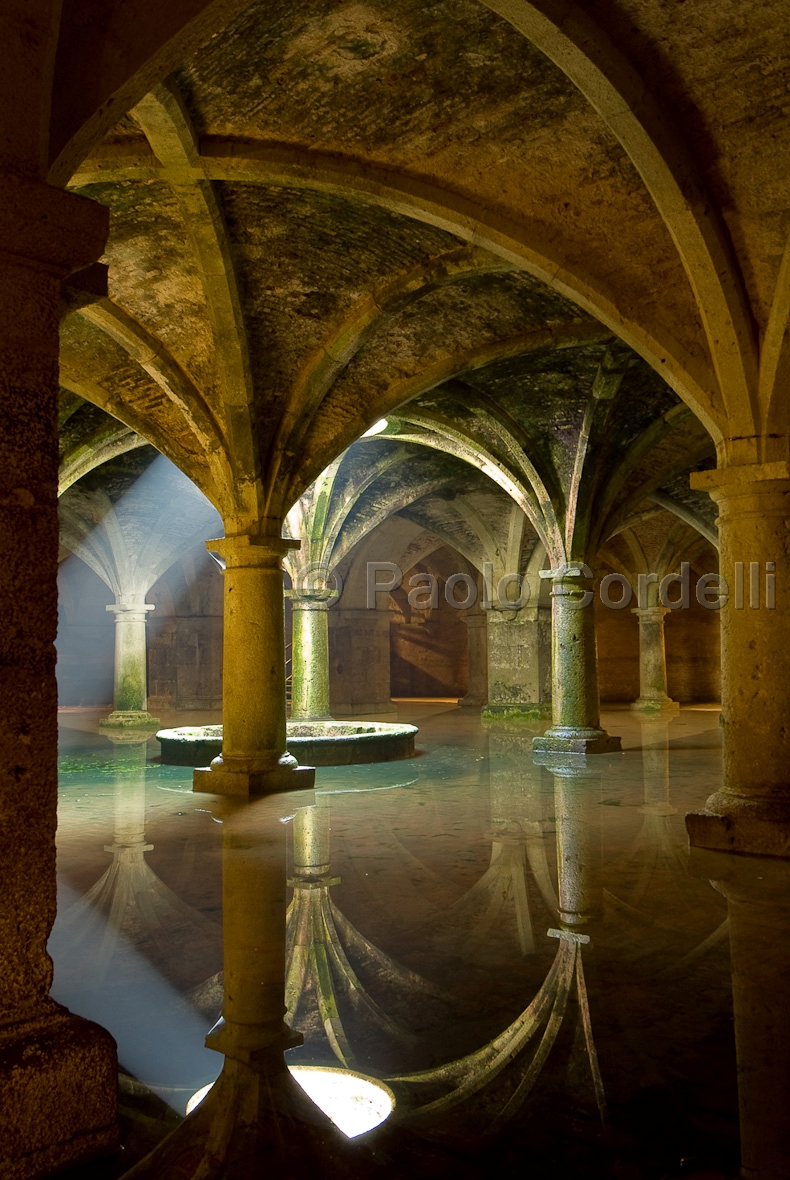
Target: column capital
[739, 479]
[303, 602]
[125, 609]
[573, 569]
[650, 614]
[246, 550]
[49, 228]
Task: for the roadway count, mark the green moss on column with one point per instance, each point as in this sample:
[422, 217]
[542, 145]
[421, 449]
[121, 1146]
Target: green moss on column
[310, 660]
[576, 726]
[254, 759]
[130, 687]
[653, 696]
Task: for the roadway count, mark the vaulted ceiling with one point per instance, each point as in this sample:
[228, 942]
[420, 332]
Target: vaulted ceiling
[331, 210]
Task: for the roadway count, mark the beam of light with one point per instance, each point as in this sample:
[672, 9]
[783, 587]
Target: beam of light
[354, 1103]
[376, 428]
[159, 1036]
[129, 544]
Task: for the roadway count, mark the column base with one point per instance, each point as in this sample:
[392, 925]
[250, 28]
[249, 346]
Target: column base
[471, 701]
[653, 705]
[58, 1095]
[217, 779]
[130, 719]
[731, 823]
[571, 739]
[517, 711]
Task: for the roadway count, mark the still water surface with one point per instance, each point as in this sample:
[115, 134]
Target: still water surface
[526, 954]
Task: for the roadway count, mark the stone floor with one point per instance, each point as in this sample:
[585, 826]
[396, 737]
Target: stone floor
[445, 872]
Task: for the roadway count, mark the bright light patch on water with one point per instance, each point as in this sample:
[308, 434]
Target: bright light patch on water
[355, 1104]
[198, 1097]
[376, 428]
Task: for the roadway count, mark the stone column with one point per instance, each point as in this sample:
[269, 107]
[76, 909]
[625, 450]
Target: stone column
[130, 685]
[653, 696]
[477, 692]
[360, 663]
[310, 660]
[58, 1072]
[575, 712]
[519, 663]
[751, 813]
[254, 759]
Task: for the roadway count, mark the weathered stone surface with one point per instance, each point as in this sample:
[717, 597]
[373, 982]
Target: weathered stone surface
[519, 663]
[319, 743]
[44, 234]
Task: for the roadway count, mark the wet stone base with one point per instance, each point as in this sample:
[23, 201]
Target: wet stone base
[312, 743]
[564, 740]
[517, 711]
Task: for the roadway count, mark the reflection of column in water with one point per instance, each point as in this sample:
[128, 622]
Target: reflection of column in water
[652, 877]
[577, 807]
[655, 844]
[312, 841]
[758, 897]
[126, 952]
[256, 1116]
[324, 952]
[129, 910]
[523, 1048]
[655, 765]
[577, 797]
[500, 899]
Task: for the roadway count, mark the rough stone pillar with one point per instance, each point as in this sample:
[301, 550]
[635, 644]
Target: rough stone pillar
[519, 663]
[477, 692]
[653, 696]
[57, 1071]
[758, 904]
[254, 759]
[310, 660]
[130, 685]
[575, 710]
[360, 663]
[751, 813]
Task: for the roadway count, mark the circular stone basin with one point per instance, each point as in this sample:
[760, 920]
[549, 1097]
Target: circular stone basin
[312, 743]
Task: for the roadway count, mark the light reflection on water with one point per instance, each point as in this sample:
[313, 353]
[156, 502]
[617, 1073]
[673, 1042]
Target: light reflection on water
[514, 947]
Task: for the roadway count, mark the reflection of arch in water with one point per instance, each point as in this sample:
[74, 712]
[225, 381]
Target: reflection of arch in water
[656, 851]
[130, 906]
[513, 1061]
[500, 902]
[460, 1080]
[518, 850]
[321, 944]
